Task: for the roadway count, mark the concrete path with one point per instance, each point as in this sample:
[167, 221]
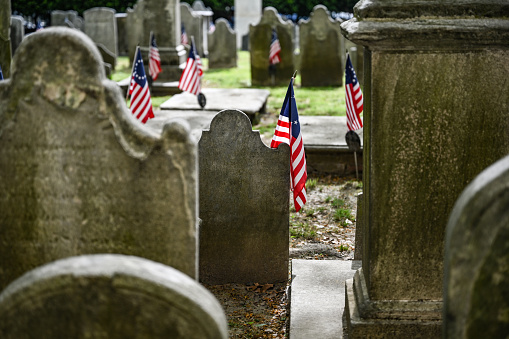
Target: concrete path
[318, 297]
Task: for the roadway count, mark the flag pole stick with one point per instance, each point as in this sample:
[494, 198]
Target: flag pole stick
[131, 76]
[356, 168]
[149, 78]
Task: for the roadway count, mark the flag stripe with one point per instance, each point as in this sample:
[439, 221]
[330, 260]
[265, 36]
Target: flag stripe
[141, 103]
[190, 80]
[353, 98]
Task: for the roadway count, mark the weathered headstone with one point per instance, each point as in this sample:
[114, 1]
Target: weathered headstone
[122, 37]
[244, 204]
[79, 174]
[109, 296]
[163, 19]
[5, 37]
[193, 23]
[17, 31]
[101, 27]
[222, 46]
[67, 19]
[476, 272]
[247, 12]
[320, 50]
[260, 39]
[206, 15]
[428, 131]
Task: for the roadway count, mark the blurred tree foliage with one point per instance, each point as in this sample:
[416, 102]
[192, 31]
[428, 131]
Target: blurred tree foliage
[221, 8]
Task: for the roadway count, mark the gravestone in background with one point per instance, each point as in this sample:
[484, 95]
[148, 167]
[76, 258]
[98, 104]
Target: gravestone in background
[67, 19]
[193, 24]
[320, 50]
[222, 46]
[109, 296]
[244, 204]
[5, 37]
[163, 19]
[247, 12]
[17, 32]
[101, 27]
[206, 14]
[476, 272]
[122, 37]
[260, 38]
[431, 125]
[79, 174]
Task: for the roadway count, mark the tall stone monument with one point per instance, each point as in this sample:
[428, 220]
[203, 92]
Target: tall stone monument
[5, 37]
[78, 174]
[321, 49]
[433, 120]
[163, 19]
[260, 40]
[476, 272]
[247, 12]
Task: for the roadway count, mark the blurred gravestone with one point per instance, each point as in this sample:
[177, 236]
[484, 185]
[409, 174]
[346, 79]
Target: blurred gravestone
[79, 174]
[193, 24]
[247, 12]
[244, 204]
[17, 31]
[67, 19]
[321, 48]
[222, 46]
[476, 272]
[101, 27]
[109, 296]
[122, 37]
[5, 38]
[260, 40]
[206, 15]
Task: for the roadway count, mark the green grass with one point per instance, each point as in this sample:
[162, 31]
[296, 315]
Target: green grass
[310, 100]
[302, 230]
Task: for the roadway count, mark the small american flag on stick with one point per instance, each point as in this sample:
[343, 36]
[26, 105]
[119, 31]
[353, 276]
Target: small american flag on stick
[183, 36]
[275, 49]
[354, 101]
[154, 60]
[288, 132]
[190, 81]
[141, 103]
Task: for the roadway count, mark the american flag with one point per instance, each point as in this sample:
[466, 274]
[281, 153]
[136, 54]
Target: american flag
[275, 49]
[154, 60]
[354, 101]
[288, 132]
[183, 36]
[141, 104]
[190, 81]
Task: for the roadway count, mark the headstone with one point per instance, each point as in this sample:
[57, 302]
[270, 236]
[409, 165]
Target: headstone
[206, 14]
[260, 39]
[101, 27]
[67, 19]
[79, 174]
[244, 204]
[17, 31]
[5, 37]
[476, 272]
[109, 296]
[245, 43]
[247, 12]
[108, 56]
[428, 131]
[222, 46]
[122, 37]
[147, 17]
[321, 49]
[193, 23]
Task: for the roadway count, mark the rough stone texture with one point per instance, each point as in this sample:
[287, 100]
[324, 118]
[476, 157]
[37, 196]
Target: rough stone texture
[244, 202]
[431, 125]
[222, 46]
[321, 49]
[17, 31]
[259, 39]
[476, 274]
[79, 174]
[5, 37]
[101, 27]
[122, 37]
[163, 19]
[359, 225]
[109, 296]
[247, 12]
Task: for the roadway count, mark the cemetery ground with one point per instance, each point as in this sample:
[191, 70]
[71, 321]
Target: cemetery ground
[323, 230]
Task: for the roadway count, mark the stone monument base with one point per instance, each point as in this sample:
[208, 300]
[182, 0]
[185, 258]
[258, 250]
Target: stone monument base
[395, 319]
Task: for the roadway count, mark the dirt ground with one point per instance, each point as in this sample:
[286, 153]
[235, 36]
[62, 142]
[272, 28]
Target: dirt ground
[262, 311]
